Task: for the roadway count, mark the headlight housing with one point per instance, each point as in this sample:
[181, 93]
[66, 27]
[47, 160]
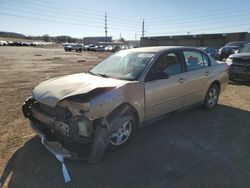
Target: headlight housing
[229, 61]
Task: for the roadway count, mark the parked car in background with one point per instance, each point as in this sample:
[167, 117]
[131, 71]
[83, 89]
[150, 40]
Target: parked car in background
[3, 43]
[116, 48]
[100, 48]
[211, 51]
[230, 48]
[240, 64]
[108, 48]
[76, 47]
[89, 47]
[123, 92]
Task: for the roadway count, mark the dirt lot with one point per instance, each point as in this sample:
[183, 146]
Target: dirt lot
[194, 148]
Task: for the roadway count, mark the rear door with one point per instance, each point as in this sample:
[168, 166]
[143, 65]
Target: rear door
[197, 76]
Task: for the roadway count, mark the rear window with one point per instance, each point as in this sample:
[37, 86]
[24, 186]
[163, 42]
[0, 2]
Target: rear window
[195, 60]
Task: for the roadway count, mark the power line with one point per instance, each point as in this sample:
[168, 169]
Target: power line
[48, 20]
[202, 29]
[52, 5]
[92, 18]
[117, 26]
[218, 10]
[75, 18]
[200, 19]
[192, 24]
[92, 10]
[86, 12]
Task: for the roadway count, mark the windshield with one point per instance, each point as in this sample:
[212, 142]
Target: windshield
[125, 65]
[239, 43]
[246, 49]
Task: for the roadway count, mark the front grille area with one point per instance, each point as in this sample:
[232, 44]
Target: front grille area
[238, 69]
[53, 119]
[243, 61]
[55, 111]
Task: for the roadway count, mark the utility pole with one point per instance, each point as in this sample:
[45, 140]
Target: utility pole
[120, 36]
[143, 31]
[106, 28]
[135, 36]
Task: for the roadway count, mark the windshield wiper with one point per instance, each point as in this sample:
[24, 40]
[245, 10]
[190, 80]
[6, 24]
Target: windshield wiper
[96, 74]
[103, 75]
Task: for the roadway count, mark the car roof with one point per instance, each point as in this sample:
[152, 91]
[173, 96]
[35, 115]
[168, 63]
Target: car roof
[157, 49]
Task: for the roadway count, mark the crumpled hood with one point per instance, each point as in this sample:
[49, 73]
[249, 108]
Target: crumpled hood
[241, 55]
[56, 89]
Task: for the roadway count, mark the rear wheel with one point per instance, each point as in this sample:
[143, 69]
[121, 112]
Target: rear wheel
[126, 126]
[212, 97]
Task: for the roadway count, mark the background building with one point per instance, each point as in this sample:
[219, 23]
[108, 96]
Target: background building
[208, 40]
[96, 40]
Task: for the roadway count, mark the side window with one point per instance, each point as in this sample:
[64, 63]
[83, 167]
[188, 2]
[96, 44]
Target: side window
[195, 60]
[167, 63]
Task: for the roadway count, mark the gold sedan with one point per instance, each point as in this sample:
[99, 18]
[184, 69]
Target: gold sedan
[123, 92]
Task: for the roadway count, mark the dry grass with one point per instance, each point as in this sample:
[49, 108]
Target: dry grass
[21, 69]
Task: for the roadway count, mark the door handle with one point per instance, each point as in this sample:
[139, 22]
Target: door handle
[206, 73]
[181, 80]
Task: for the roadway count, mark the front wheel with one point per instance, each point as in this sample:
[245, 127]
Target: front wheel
[126, 126]
[212, 97]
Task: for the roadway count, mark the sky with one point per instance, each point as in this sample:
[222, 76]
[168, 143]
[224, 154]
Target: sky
[83, 18]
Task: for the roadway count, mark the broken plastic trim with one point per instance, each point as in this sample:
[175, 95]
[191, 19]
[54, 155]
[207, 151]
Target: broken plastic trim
[56, 149]
[64, 169]
[103, 135]
[100, 141]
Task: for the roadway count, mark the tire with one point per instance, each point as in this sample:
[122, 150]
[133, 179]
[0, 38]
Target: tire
[212, 97]
[120, 137]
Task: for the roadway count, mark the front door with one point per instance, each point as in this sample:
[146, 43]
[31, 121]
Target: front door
[163, 85]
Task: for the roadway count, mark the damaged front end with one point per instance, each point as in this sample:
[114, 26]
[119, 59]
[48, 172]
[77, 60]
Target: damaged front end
[72, 114]
[63, 128]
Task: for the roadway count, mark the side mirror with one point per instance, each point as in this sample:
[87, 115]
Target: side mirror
[158, 76]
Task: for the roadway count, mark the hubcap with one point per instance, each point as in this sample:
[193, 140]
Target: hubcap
[212, 97]
[122, 134]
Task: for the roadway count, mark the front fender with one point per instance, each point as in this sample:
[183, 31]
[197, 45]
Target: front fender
[105, 103]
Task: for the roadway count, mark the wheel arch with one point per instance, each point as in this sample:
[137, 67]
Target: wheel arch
[130, 109]
[216, 82]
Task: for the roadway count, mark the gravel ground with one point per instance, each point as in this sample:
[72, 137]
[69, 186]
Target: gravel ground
[194, 148]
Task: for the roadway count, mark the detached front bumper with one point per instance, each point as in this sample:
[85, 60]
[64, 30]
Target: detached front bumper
[53, 146]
